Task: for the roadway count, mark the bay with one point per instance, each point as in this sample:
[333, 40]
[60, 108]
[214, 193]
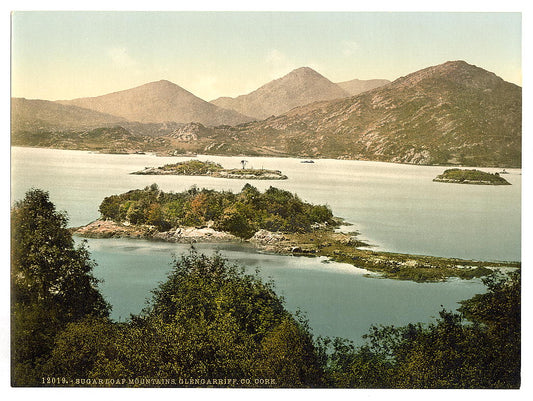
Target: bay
[395, 207]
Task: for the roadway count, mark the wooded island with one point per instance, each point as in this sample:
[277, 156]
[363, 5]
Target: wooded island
[476, 177]
[207, 168]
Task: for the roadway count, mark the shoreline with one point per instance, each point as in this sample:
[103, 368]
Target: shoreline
[132, 152]
[339, 247]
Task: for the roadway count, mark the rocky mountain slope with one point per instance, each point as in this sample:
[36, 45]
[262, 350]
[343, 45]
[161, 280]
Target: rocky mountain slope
[357, 86]
[301, 86]
[453, 113]
[32, 114]
[159, 102]
[450, 114]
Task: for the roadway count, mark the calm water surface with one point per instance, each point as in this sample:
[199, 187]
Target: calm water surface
[396, 207]
[337, 298]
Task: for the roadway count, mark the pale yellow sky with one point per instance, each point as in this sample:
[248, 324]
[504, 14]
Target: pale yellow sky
[64, 55]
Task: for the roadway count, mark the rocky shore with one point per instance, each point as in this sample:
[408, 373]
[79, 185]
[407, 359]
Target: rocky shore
[340, 247]
[233, 174]
[111, 229]
[210, 169]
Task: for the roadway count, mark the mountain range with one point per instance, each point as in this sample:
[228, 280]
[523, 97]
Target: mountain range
[453, 113]
[159, 102]
[299, 87]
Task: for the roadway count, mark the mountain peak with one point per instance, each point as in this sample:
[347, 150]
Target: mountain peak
[303, 70]
[303, 73]
[157, 102]
[297, 88]
[161, 85]
[458, 71]
[162, 82]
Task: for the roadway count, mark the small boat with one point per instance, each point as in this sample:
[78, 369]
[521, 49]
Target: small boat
[503, 172]
[307, 161]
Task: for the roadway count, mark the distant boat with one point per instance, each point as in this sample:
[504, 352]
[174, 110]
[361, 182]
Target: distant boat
[307, 161]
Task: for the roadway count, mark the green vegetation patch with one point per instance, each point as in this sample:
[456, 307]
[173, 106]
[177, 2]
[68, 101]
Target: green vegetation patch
[241, 214]
[192, 167]
[208, 168]
[345, 248]
[462, 176]
[212, 325]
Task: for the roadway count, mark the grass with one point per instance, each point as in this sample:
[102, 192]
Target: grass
[345, 248]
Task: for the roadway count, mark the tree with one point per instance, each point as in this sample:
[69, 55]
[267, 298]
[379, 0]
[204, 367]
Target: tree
[51, 282]
[47, 267]
[234, 222]
[290, 356]
[208, 320]
[481, 352]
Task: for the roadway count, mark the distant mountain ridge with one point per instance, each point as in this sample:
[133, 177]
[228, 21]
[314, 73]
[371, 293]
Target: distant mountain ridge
[454, 113]
[449, 114]
[299, 87]
[163, 102]
[28, 114]
[357, 86]
[159, 102]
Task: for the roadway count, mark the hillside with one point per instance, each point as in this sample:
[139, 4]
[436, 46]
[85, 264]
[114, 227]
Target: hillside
[450, 114]
[299, 87]
[32, 114]
[453, 113]
[159, 102]
[357, 86]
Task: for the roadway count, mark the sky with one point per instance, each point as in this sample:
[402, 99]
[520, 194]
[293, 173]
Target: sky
[65, 55]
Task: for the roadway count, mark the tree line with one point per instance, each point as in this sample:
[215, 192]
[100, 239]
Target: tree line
[212, 320]
[241, 214]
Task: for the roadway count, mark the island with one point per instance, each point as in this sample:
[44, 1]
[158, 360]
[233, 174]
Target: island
[274, 221]
[207, 168]
[476, 177]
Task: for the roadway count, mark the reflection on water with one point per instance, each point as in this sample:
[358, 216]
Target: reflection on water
[396, 207]
[337, 298]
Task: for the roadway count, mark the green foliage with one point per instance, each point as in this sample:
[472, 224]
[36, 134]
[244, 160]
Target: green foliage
[481, 352]
[47, 268]
[289, 355]
[79, 345]
[208, 320]
[471, 177]
[193, 167]
[33, 330]
[51, 284]
[241, 214]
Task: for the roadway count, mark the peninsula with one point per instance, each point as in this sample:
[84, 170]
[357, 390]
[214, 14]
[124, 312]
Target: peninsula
[274, 221]
[476, 177]
[207, 168]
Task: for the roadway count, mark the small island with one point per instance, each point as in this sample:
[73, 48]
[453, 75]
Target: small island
[275, 221]
[475, 177]
[207, 168]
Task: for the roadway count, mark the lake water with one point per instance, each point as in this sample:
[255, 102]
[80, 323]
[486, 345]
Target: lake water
[337, 298]
[395, 207]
